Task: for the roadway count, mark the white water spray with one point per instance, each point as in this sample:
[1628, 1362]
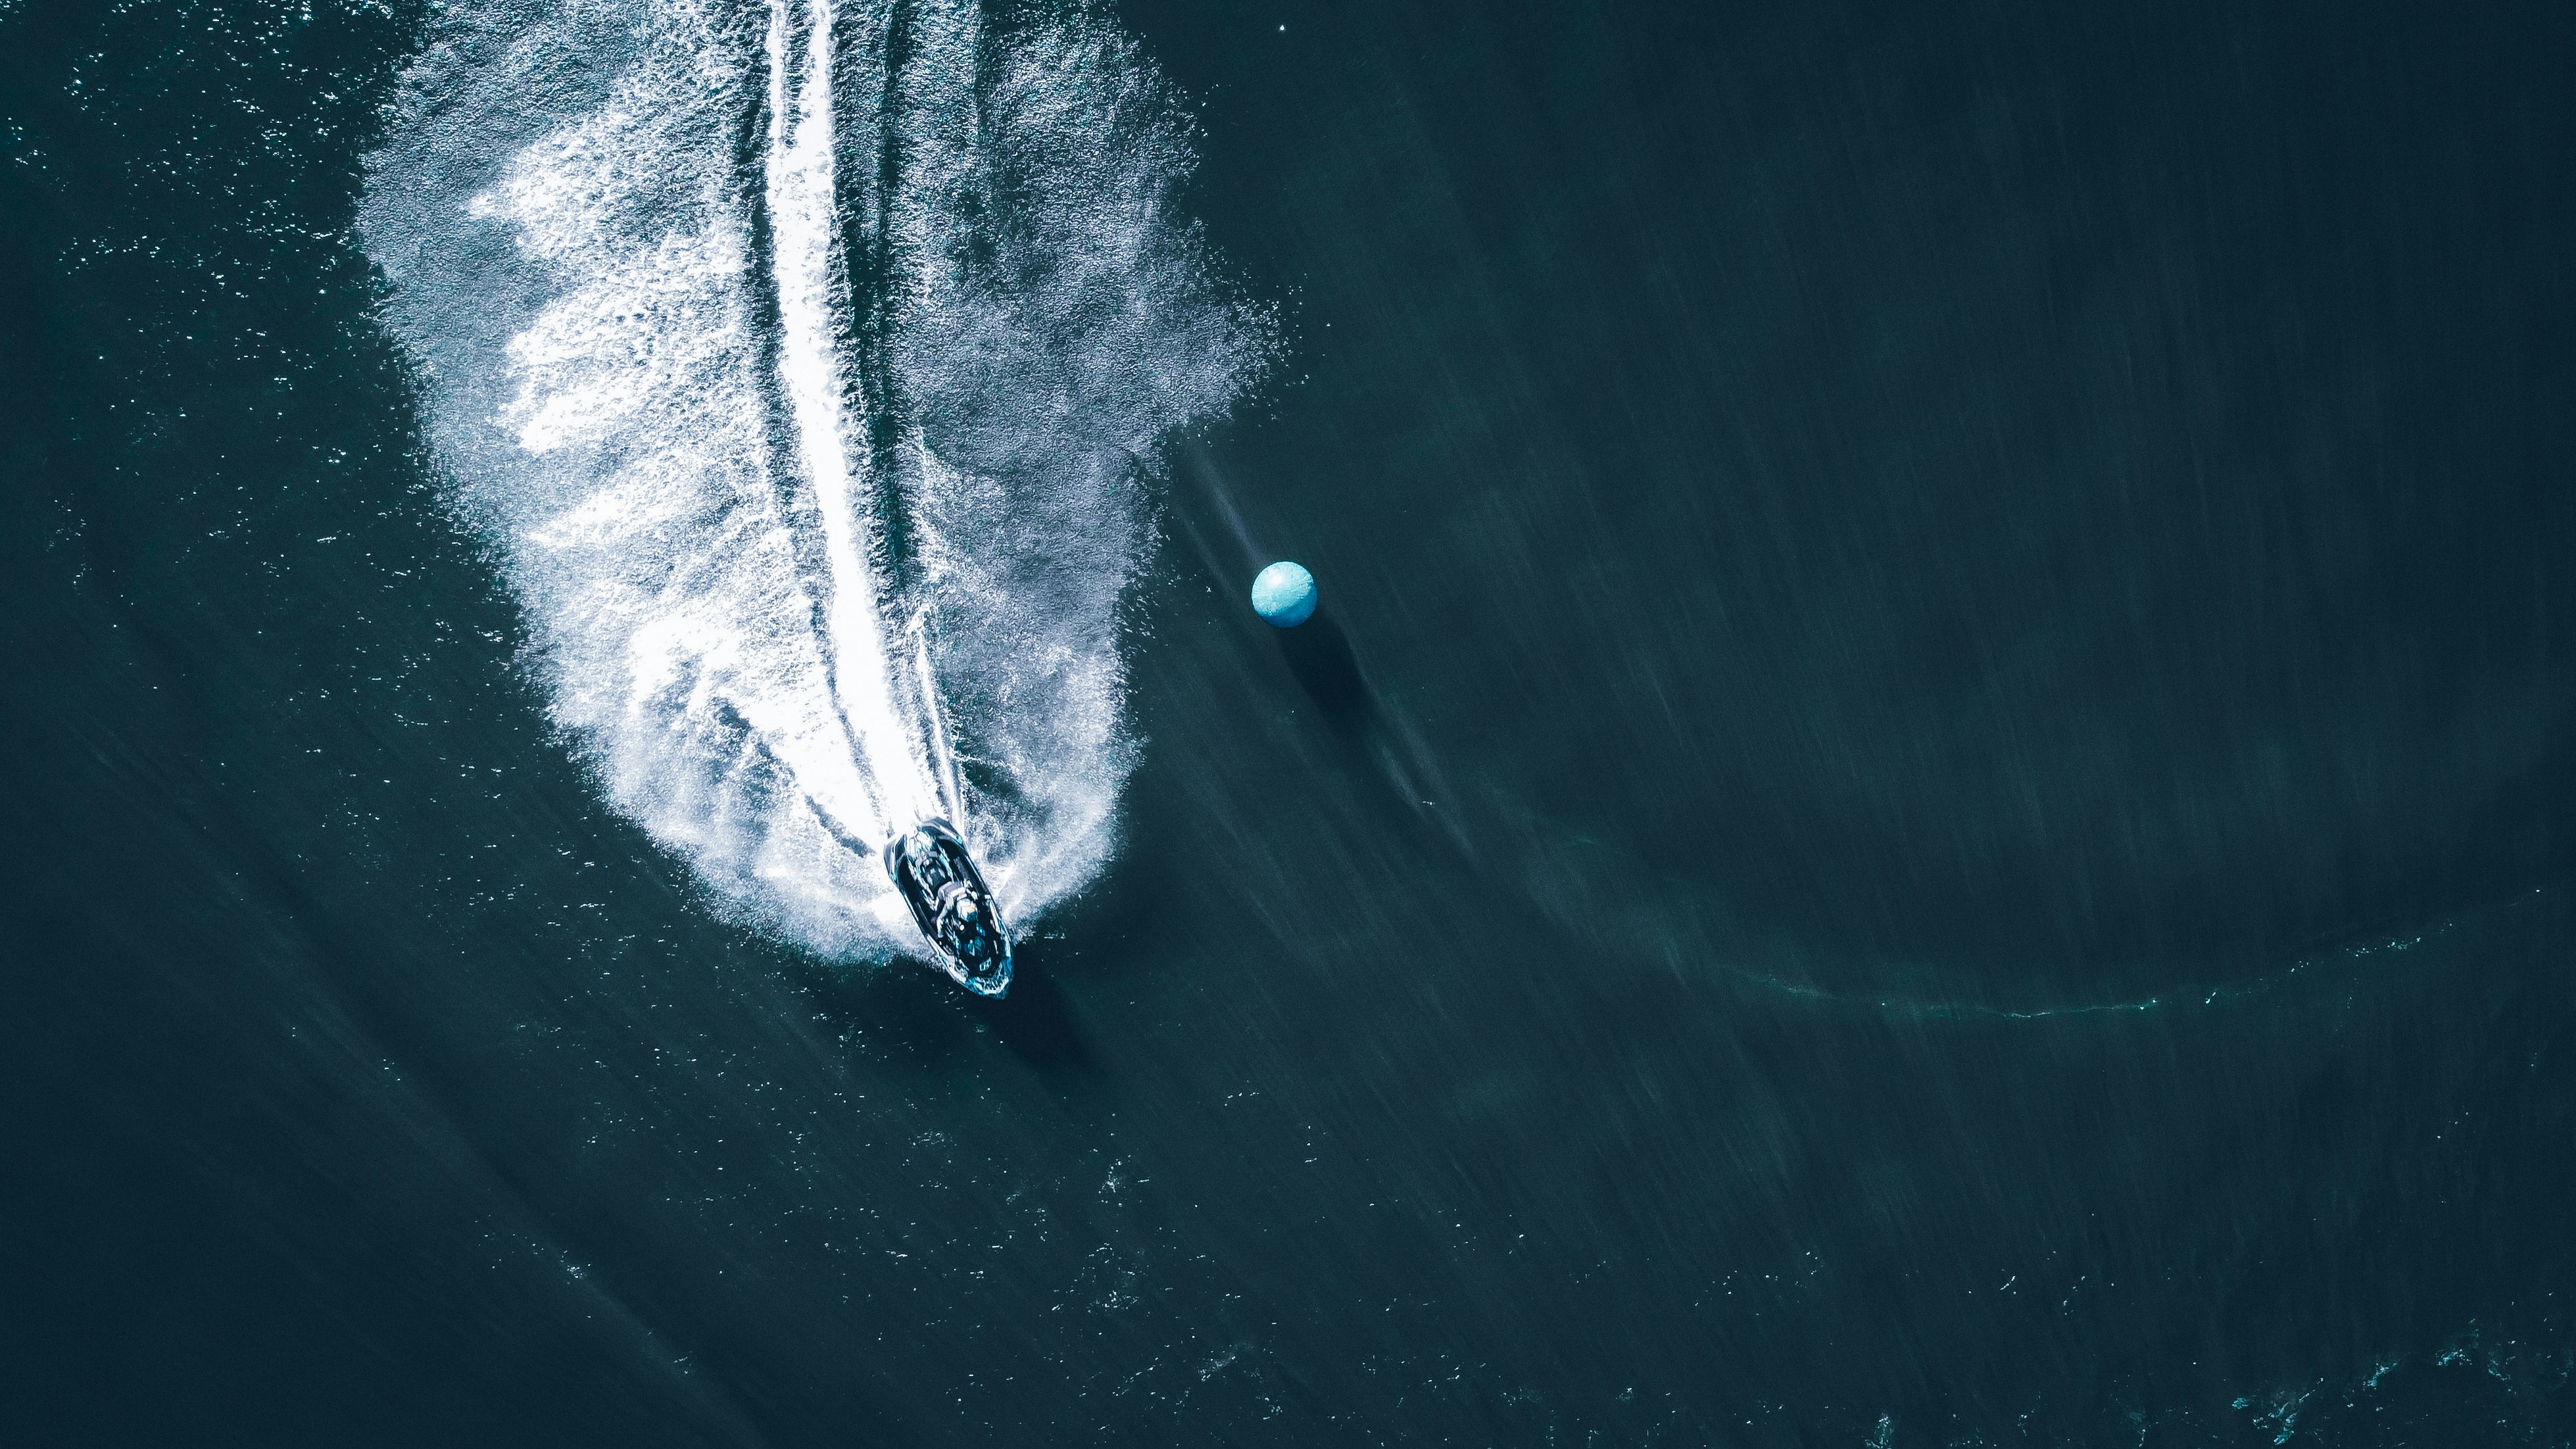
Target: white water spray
[798, 363]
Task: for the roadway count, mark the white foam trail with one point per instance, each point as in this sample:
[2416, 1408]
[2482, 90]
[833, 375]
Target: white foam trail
[803, 233]
[742, 333]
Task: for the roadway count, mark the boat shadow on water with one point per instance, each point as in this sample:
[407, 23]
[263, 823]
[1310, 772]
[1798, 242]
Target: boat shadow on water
[911, 1008]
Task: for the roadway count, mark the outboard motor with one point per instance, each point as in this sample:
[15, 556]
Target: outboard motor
[937, 878]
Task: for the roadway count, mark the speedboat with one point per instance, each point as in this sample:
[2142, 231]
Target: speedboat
[937, 878]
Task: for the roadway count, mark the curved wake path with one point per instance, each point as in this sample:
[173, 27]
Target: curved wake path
[805, 367]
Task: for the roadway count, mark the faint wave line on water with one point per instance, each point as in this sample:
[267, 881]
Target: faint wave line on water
[1606, 893]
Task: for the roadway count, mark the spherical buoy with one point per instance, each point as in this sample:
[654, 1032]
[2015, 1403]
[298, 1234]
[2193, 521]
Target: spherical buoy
[1284, 594]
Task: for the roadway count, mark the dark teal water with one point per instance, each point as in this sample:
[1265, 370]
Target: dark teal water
[1931, 804]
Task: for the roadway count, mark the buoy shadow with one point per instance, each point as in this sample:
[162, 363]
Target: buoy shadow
[1372, 738]
[1319, 655]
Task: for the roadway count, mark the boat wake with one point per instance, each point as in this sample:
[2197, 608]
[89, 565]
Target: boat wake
[805, 368]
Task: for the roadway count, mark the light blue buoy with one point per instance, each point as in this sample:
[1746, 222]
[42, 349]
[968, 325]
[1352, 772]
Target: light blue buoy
[1284, 594]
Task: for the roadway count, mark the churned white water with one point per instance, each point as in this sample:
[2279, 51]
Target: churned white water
[805, 364]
